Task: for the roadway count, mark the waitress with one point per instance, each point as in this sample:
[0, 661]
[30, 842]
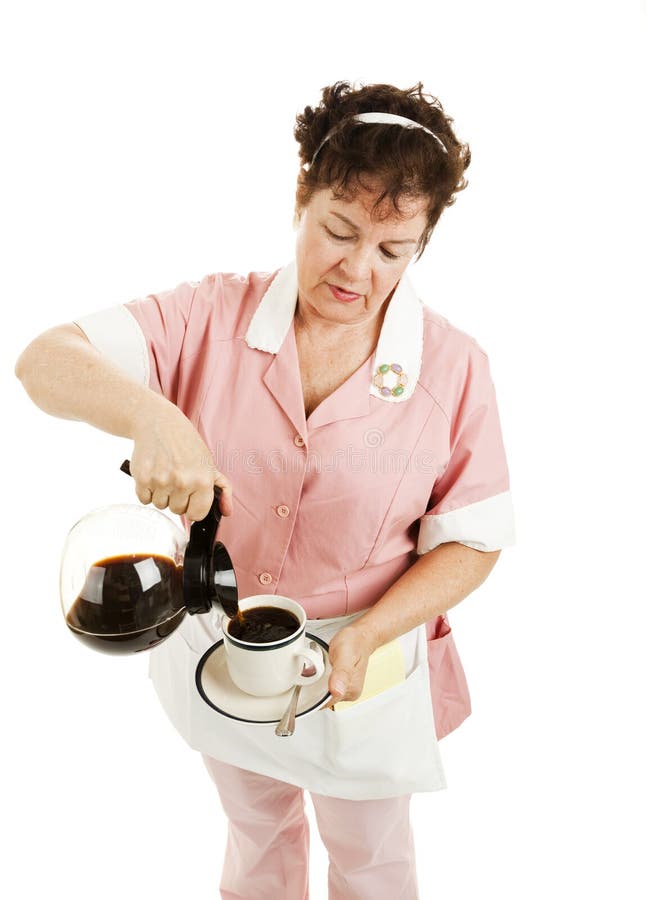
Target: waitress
[359, 431]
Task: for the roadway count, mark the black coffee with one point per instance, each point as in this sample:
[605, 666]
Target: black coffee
[128, 603]
[263, 624]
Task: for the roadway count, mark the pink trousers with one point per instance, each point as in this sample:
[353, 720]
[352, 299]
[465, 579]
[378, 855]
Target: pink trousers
[369, 842]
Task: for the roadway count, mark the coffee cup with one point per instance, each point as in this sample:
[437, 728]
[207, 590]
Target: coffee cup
[263, 666]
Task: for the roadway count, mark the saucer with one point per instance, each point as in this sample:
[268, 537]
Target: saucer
[216, 688]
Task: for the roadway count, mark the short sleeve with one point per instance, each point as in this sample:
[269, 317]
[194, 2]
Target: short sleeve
[144, 337]
[470, 502]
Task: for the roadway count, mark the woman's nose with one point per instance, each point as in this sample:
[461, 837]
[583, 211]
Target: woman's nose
[356, 267]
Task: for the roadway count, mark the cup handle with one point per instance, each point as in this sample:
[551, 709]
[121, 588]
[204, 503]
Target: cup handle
[315, 657]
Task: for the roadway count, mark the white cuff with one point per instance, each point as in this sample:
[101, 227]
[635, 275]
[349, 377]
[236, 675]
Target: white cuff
[487, 525]
[116, 333]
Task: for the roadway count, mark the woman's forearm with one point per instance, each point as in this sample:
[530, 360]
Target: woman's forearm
[67, 377]
[171, 465]
[437, 581]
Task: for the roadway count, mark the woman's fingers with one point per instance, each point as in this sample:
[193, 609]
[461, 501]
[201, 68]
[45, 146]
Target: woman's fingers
[173, 468]
[160, 498]
[345, 684]
[178, 502]
[195, 505]
[226, 497]
[144, 494]
[349, 656]
[200, 500]
[199, 504]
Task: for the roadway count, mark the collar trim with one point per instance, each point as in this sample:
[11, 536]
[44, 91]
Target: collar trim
[272, 319]
[400, 342]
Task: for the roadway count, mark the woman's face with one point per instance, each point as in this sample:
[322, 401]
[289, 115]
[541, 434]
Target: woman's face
[339, 245]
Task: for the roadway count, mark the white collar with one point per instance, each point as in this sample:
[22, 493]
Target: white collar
[400, 340]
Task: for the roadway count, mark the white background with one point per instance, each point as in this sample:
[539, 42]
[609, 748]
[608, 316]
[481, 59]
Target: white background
[147, 143]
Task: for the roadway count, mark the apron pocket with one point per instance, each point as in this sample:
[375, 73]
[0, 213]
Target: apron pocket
[449, 690]
[384, 738]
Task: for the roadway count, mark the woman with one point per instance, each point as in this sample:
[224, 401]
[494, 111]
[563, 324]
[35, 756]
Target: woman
[360, 432]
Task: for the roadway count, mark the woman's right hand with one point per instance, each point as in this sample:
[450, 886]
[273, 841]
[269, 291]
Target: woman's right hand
[172, 466]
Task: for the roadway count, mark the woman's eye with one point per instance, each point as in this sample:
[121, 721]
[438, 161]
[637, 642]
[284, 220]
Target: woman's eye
[339, 237]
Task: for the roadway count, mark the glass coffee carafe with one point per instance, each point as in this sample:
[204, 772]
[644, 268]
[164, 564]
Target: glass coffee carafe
[129, 575]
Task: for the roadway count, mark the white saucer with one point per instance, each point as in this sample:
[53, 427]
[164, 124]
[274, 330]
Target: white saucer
[221, 694]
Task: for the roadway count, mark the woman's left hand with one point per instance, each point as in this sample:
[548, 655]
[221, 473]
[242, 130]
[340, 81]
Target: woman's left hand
[350, 651]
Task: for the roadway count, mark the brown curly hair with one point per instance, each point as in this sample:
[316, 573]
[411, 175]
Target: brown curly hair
[405, 162]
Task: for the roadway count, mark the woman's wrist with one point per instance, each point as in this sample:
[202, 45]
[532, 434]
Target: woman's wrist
[145, 410]
[367, 632]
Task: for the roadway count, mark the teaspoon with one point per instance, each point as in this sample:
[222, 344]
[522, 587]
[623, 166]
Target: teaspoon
[287, 724]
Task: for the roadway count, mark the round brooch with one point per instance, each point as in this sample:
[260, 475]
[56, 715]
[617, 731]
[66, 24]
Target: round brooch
[395, 388]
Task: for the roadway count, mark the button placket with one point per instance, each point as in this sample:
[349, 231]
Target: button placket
[284, 512]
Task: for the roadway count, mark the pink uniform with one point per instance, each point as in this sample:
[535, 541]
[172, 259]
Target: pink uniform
[333, 508]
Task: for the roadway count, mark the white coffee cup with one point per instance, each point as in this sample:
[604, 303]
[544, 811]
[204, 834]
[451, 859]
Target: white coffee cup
[265, 670]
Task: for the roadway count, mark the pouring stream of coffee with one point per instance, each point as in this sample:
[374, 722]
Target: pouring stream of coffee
[229, 605]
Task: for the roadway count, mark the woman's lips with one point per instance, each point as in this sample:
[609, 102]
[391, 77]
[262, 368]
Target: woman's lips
[340, 294]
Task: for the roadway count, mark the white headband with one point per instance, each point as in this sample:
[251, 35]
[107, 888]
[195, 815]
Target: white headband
[368, 118]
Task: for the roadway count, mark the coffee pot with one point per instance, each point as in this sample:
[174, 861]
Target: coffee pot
[129, 575]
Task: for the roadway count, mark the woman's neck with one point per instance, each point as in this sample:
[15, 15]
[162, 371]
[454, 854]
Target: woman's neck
[323, 334]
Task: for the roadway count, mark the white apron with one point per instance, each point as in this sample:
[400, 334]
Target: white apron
[384, 746]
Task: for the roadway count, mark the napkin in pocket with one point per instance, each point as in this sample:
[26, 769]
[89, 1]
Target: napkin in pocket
[385, 670]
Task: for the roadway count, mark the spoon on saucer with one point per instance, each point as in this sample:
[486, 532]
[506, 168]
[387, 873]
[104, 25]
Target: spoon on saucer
[287, 724]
